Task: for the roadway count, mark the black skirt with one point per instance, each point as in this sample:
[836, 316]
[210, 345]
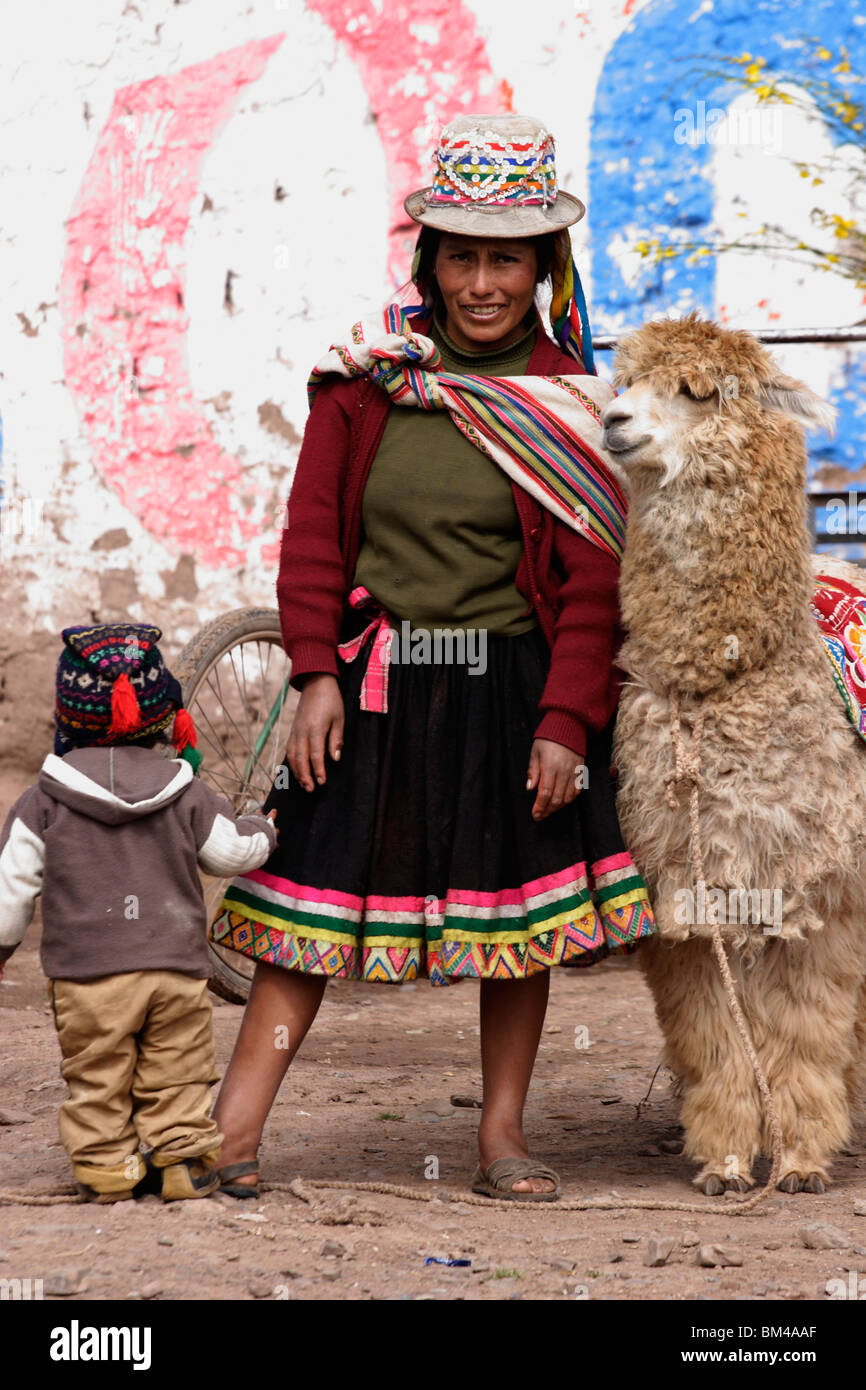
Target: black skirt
[419, 855]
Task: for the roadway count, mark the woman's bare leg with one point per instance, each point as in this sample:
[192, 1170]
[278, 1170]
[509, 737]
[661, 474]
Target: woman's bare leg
[280, 1009]
[512, 1016]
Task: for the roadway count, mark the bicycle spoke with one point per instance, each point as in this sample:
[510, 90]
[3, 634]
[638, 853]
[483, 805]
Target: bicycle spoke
[254, 743]
[282, 681]
[270, 745]
[199, 714]
[233, 789]
[218, 692]
[245, 696]
[231, 657]
[224, 702]
[255, 755]
[224, 755]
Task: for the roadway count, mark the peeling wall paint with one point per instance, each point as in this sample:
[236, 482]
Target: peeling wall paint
[416, 60]
[199, 196]
[124, 315]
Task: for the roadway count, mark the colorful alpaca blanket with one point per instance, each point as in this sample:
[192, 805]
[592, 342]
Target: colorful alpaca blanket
[544, 432]
[840, 611]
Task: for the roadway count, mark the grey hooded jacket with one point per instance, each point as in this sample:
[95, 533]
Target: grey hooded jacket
[113, 838]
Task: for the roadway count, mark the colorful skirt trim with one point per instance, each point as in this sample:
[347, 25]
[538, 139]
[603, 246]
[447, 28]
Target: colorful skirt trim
[552, 921]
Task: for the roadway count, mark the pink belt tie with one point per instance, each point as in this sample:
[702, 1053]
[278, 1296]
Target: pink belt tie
[374, 686]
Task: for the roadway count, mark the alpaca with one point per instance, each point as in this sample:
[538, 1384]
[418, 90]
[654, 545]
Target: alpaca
[715, 589]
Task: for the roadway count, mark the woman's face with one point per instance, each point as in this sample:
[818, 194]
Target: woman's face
[488, 285]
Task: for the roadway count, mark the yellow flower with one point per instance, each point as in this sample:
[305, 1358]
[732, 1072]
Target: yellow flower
[845, 110]
[770, 92]
[842, 227]
[823, 53]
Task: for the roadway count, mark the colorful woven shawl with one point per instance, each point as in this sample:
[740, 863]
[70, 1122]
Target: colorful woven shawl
[543, 432]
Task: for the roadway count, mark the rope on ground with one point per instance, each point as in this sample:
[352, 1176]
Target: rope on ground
[298, 1188]
[53, 1197]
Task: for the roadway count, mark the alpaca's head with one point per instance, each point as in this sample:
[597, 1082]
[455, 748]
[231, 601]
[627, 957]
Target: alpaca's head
[692, 395]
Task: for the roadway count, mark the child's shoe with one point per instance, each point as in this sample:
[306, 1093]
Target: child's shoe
[103, 1197]
[114, 1182]
[151, 1183]
[192, 1177]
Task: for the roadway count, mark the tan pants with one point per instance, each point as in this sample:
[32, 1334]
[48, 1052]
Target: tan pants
[138, 1058]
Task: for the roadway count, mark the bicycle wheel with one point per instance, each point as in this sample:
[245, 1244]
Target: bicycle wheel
[235, 680]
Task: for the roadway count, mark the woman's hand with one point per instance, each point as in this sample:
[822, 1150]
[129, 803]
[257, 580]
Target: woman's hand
[318, 725]
[557, 772]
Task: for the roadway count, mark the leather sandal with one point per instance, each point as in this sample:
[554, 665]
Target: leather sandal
[104, 1198]
[504, 1172]
[239, 1170]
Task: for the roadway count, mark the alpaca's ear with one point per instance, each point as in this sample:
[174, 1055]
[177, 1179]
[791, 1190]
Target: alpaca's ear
[796, 400]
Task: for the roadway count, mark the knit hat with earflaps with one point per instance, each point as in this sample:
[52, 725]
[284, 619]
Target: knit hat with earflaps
[114, 687]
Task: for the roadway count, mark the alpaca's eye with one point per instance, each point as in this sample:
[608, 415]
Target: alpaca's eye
[686, 390]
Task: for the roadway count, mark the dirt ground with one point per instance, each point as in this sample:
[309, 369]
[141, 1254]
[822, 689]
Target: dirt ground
[369, 1098]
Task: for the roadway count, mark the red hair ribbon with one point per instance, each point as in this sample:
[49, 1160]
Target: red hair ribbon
[125, 713]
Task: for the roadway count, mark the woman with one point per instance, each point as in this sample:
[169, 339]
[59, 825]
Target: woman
[440, 814]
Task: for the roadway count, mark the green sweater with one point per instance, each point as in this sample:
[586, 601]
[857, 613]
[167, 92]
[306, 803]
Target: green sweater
[441, 537]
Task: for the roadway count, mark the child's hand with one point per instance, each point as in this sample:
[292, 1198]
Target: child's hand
[272, 817]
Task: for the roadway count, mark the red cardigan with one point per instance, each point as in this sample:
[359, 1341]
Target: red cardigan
[570, 583]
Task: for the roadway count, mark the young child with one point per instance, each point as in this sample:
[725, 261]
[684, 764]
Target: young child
[111, 835]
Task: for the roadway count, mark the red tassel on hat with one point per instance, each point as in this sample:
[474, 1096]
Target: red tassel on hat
[183, 732]
[125, 713]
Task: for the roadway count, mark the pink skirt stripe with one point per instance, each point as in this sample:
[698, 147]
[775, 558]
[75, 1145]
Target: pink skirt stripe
[563, 878]
[515, 897]
[376, 902]
[613, 861]
[330, 896]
